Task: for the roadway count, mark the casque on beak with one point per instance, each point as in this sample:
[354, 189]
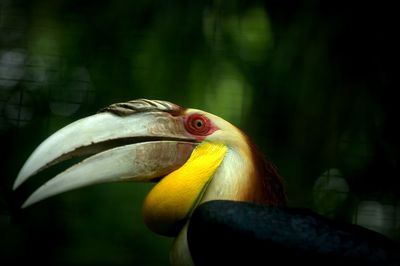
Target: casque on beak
[136, 141]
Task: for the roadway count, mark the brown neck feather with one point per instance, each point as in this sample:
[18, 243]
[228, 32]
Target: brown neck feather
[267, 185]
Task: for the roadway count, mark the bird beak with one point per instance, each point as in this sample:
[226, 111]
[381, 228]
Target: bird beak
[134, 141]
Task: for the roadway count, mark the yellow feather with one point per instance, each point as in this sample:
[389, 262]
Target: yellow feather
[174, 197]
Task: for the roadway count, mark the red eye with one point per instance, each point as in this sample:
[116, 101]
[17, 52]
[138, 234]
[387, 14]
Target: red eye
[198, 124]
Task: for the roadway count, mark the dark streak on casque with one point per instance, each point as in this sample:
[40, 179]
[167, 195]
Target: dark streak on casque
[143, 105]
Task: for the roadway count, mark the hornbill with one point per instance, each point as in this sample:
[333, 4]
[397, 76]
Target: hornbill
[215, 193]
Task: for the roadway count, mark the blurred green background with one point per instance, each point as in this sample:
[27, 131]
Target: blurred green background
[312, 82]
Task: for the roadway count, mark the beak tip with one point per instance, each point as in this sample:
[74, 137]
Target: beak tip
[32, 199]
[17, 183]
[24, 174]
[20, 179]
[26, 204]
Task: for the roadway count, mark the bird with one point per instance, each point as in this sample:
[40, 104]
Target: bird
[213, 186]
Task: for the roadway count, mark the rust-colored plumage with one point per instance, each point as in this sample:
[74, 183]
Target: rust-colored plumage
[267, 185]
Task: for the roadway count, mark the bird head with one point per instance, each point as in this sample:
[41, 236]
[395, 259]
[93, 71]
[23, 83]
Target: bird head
[193, 156]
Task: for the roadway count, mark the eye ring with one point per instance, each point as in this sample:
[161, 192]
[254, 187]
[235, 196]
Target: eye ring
[198, 124]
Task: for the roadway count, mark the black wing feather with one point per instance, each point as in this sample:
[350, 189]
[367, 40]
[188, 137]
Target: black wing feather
[241, 233]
